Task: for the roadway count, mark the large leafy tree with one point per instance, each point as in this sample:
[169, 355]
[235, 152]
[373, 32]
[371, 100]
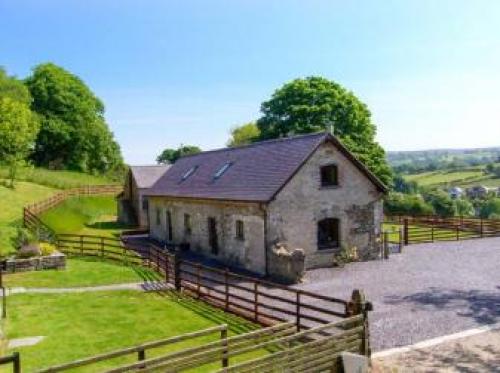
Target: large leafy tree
[171, 155]
[18, 130]
[316, 104]
[18, 125]
[73, 133]
[244, 134]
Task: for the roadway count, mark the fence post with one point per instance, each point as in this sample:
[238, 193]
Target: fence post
[458, 233]
[198, 279]
[297, 309]
[432, 232]
[386, 245]
[401, 242]
[16, 362]
[256, 301]
[223, 337]
[226, 285]
[405, 228]
[166, 261]
[177, 272]
[359, 305]
[141, 355]
[481, 227]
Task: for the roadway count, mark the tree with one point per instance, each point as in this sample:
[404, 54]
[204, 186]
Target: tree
[407, 204]
[442, 203]
[171, 155]
[73, 133]
[244, 134]
[13, 88]
[464, 207]
[18, 130]
[316, 104]
[490, 208]
[403, 186]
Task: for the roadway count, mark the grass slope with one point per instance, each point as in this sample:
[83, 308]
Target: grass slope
[12, 203]
[80, 272]
[77, 325]
[463, 178]
[57, 179]
[84, 215]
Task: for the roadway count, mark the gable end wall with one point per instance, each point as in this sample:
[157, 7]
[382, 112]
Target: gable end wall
[295, 211]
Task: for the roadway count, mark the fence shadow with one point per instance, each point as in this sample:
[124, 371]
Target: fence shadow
[456, 356]
[482, 306]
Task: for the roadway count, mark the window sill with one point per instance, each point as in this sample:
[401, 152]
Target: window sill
[329, 186]
[328, 250]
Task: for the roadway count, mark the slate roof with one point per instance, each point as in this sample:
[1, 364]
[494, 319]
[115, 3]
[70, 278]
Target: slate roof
[146, 176]
[257, 172]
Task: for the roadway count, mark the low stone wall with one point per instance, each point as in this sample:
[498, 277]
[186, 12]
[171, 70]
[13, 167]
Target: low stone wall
[286, 265]
[54, 261]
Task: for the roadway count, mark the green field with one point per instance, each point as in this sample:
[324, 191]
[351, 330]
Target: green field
[11, 211]
[57, 179]
[77, 325]
[84, 215]
[463, 178]
[80, 272]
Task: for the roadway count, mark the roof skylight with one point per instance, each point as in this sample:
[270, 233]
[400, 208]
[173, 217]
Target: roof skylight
[189, 173]
[221, 170]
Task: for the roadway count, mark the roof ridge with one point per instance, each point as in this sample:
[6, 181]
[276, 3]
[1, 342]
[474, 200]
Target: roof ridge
[263, 142]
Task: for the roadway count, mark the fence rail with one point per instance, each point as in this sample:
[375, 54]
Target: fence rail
[423, 229]
[57, 198]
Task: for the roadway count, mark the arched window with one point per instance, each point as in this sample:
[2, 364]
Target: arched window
[328, 233]
[329, 175]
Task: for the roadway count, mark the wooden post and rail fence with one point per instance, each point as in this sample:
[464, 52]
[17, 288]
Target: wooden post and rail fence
[287, 314]
[432, 228]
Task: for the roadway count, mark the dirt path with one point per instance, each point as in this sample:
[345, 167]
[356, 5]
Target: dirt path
[139, 286]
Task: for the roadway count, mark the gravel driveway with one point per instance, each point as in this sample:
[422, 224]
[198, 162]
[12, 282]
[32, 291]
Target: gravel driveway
[427, 291]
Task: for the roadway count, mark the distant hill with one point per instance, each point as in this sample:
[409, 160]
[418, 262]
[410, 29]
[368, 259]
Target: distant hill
[447, 167]
[411, 162]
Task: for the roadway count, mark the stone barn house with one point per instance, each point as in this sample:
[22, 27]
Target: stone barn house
[237, 204]
[132, 203]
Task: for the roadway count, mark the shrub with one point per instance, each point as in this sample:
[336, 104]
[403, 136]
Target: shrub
[489, 208]
[407, 204]
[47, 248]
[28, 251]
[442, 203]
[22, 238]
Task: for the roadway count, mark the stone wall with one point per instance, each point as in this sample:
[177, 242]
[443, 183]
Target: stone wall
[286, 265]
[248, 253]
[54, 261]
[296, 210]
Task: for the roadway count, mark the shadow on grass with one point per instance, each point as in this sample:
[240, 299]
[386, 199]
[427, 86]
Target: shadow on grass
[482, 306]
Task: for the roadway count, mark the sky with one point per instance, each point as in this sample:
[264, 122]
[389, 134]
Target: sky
[185, 72]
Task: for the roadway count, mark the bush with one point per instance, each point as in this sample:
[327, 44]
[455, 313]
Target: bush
[28, 251]
[47, 248]
[407, 204]
[489, 208]
[23, 238]
[442, 203]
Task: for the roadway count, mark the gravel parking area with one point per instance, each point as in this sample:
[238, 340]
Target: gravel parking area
[427, 291]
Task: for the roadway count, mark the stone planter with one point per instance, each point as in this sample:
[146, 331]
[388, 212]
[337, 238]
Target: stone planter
[54, 261]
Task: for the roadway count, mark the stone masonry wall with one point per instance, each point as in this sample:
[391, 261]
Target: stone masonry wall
[296, 210]
[248, 253]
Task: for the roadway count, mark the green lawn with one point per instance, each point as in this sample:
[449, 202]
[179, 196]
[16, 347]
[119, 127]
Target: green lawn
[11, 211]
[57, 179]
[85, 215]
[79, 325]
[80, 272]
